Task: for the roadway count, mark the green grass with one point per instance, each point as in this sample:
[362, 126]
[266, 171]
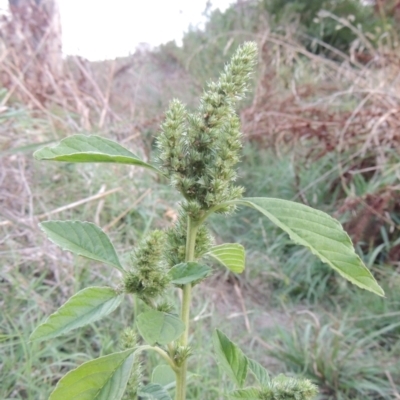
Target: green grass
[282, 274]
[280, 278]
[338, 356]
[304, 319]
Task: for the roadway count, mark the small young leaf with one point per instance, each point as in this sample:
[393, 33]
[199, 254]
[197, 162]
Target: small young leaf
[159, 327]
[184, 273]
[85, 307]
[84, 149]
[230, 357]
[259, 372]
[82, 238]
[231, 255]
[247, 393]
[154, 391]
[104, 378]
[321, 234]
[163, 375]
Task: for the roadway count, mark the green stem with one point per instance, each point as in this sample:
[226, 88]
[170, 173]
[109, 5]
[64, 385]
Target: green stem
[192, 228]
[212, 210]
[161, 352]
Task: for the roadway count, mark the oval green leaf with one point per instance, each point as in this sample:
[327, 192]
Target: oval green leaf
[184, 273]
[321, 234]
[230, 255]
[92, 148]
[102, 379]
[154, 391]
[85, 307]
[159, 327]
[82, 238]
[230, 358]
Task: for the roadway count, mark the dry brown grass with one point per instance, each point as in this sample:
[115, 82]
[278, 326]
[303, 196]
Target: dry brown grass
[316, 106]
[44, 101]
[33, 71]
[125, 96]
[338, 106]
[349, 107]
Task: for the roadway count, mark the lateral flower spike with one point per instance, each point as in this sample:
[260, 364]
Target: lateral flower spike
[148, 278]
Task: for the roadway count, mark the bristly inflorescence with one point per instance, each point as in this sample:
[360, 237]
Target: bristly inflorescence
[175, 248]
[149, 276]
[285, 388]
[200, 150]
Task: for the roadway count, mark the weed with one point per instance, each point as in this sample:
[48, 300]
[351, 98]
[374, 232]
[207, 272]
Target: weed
[340, 357]
[198, 153]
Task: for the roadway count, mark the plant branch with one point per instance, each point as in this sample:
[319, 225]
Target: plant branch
[161, 352]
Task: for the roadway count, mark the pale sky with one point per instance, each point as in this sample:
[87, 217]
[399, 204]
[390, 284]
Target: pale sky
[98, 29]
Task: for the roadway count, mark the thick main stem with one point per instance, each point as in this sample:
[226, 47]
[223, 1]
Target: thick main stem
[185, 311]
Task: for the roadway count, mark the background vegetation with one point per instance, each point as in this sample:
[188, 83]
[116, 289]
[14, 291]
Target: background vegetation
[321, 127]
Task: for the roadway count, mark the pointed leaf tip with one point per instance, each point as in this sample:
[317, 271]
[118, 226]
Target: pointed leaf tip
[92, 148]
[230, 358]
[321, 234]
[82, 238]
[87, 306]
